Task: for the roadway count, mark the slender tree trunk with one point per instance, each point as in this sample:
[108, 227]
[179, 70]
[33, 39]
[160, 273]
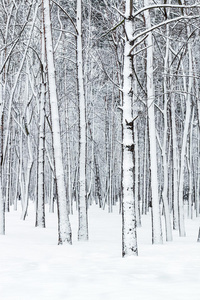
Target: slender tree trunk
[175, 164]
[40, 203]
[8, 177]
[29, 165]
[64, 227]
[156, 219]
[198, 160]
[2, 204]
[145, 177]
[136, 179]
[164, 148]
[198, 179]
[190, 168]
[182, 232]
[82, 205]
[69, 183]
[16, 185]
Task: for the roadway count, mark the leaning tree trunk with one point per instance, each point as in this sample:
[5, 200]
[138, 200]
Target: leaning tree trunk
[156, 219]
[64, 227]
[129, 234]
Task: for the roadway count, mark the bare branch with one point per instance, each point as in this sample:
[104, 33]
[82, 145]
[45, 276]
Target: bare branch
[160, 25]
[112, 29]
[63, 10]
[197, 5]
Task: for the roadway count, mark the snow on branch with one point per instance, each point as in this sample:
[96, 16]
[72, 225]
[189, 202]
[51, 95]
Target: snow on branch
[63, 10]
[197, 5]
[160, 25]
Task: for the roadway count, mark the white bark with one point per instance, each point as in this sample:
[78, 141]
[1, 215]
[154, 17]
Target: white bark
[168, 227]
[190, 167]
[136, 152]
[2, 205]
[198, 179]
[136, 181]
[8, 177]
[69, 195]
[82, 207]
[40, 204]
[182, 232]
[2, 211]
[30, 155]
[156, 220]
[198, 163]
[16, 185]
[175, 165]
[64, 228]
[129, 235]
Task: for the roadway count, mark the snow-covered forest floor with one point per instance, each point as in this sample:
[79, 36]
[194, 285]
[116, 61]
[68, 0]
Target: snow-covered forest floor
[32, 266]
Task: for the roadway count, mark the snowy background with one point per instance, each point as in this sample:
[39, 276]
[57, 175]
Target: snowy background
[33, 267]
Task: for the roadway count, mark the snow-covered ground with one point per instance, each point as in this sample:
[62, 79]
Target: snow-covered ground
[33, 267]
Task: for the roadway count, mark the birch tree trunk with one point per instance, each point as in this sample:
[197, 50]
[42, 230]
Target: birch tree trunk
[168, 227]
[156, 219]
[2, 210]
[8, 196]
[190, 168]
[40, 204]
[69, 184]
[129, 234]
[198, 161]
[64, 227]
[82, 205]
[29, 166]
[198, 179]
[2, 204]
[175, 164]
[182, 232]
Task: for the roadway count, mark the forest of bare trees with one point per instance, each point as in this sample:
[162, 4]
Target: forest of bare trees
[100, 104]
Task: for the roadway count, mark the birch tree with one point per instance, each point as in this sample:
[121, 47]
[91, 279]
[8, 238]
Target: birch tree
[156, 219]
[64, 227]
[40, 201]
[129, 234]
[82, 207]
[2, 204]
[184, 145]
[164, 147]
